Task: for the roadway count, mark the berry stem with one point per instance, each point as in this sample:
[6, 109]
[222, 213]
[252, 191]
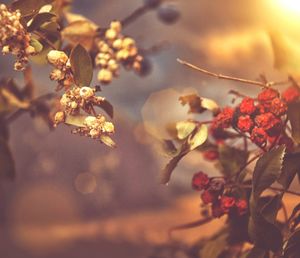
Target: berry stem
[225, 77]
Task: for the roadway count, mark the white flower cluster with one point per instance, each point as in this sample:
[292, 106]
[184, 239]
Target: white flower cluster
[14, 38]
[62, 68]
[116, 49]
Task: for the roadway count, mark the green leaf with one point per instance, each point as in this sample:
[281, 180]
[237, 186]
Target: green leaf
[198, 137]
[294, 117]
[107, 107]
[292, 248]
[270, 209]
[82, 66]
[267, 170]
[76, 120]
[215, 247]
[231, 159]
[39, 19]
[264, 234]
[184, 129]
[29, 7]
[107, 141]
[36, 44]
[291, 165]
[7, 165]
[256, 252]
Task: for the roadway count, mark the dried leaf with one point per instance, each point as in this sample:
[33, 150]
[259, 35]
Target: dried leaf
[82, 66]
[198, 104]
[80, 32]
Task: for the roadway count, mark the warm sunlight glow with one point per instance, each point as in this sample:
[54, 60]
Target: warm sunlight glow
[291, 5]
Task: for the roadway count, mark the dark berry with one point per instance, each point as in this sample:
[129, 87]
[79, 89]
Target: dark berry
[168, 14]
[152, 3]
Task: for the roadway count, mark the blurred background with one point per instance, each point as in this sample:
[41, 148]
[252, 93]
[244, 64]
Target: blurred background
[73, 197]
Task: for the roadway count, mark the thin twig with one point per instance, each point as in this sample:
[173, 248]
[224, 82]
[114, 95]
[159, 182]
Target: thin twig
[225, 77]
[237, 174]
[140, 11]
[21, 111]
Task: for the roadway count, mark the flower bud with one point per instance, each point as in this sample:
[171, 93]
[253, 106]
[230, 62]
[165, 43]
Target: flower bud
[86, 92]
[59, 117]
[57, 58]
[105, 76]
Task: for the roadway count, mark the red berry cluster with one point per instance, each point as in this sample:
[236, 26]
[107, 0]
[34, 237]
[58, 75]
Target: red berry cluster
[213, 193]
[262, 119]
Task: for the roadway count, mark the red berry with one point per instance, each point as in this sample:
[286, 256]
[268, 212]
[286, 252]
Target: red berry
[259, 136]
[242, 207]
[278, 107]
[208, 197]
[224, 118]
[291, 94]
[270, 123]
[217, 211]
[245, 123]
[247, 106]
[227, 203]
[268, 95]
[200, 181]
[211, 155]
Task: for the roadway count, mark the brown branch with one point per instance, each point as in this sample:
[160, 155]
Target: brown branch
[284, 190]
[45, 39]
[190, 225]
[224, 77]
